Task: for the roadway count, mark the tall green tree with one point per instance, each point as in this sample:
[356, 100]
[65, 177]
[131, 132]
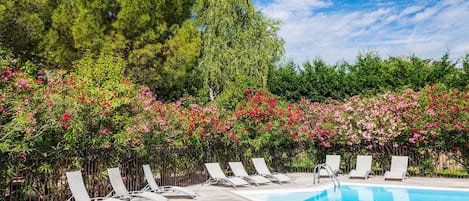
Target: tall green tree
[239, 46]
[320, 81]
[284, 81]
[160, 42]
[157, 39]
[22, 26]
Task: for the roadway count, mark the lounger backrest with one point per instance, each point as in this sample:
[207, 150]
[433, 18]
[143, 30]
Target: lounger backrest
[214, 170]
[333, 161]
[117, 182]
[399, 163]
[77, 186]
[238, 169]
[149, 177]
[261, 166]
[363, 162]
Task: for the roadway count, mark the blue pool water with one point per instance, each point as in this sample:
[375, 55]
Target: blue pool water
[363, 193]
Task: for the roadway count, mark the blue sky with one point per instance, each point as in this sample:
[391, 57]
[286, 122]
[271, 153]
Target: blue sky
[337, 30]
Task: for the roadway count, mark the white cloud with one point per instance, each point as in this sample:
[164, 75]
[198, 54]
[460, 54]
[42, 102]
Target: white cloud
[314, 28]
[288, 9]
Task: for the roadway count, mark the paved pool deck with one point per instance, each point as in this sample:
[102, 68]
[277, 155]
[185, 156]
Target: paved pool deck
[209, 192]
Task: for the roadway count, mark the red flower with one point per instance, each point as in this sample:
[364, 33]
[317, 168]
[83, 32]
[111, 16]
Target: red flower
[82, 97]
[65, 117]
[248, 91]
[38, 80]
[50, 103]
[190, 132]
[456, 148]
[293, 135]
[107, 104]
[66, 126]
[269, 126]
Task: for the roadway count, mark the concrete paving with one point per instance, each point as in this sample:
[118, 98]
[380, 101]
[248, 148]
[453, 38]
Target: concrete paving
[209, 192]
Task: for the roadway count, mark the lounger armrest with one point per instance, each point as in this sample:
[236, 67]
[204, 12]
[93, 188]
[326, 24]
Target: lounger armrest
[98, 198]
[146, 188]
[134, 192]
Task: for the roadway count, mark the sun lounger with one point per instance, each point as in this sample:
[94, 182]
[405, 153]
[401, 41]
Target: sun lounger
[120, 191]
[398, 168]
[238, 170]
[263, 170]
[333, 161]
[78, 189]
[363, 167]
[218, 177]
[152, 186]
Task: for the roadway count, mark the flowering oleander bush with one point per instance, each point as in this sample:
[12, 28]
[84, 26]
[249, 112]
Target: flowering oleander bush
[441, 122]
[361, 122]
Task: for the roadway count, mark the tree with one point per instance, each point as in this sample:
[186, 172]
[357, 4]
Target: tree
[320, 81]
[160, 42]
[239, 45]
[157, 39]
[284, 81]
[22, 26]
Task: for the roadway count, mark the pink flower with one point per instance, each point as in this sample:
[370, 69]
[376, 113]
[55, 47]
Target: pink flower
[24, 155]
[107, 104]
[23, 83]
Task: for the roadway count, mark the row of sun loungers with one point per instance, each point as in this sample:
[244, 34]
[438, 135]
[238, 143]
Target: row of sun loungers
[151, 192]
[363, 167]
[241, 177]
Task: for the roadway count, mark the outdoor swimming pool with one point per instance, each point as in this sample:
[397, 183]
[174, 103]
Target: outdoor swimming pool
[351, 192]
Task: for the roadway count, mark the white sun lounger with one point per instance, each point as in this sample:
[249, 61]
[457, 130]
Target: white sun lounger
[120, 191]
[152, 186]
[332, 161]
[263, 170]
[218, 177]
[363, 167]
[78, 189]
[238, 170]
[398, 168]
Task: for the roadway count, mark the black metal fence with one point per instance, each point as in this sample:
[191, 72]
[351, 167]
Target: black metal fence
[41, 176]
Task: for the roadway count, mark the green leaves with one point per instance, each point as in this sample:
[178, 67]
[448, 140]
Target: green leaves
[236, 40]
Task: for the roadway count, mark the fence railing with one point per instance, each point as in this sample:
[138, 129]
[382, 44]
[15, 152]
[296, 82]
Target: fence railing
[41, 176]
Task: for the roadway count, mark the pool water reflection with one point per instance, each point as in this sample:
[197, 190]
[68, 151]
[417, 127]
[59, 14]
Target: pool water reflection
[364, 193]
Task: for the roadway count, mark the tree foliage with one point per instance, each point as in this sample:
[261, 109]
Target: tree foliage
[157, 39]
[239, 46]
[370, 75]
